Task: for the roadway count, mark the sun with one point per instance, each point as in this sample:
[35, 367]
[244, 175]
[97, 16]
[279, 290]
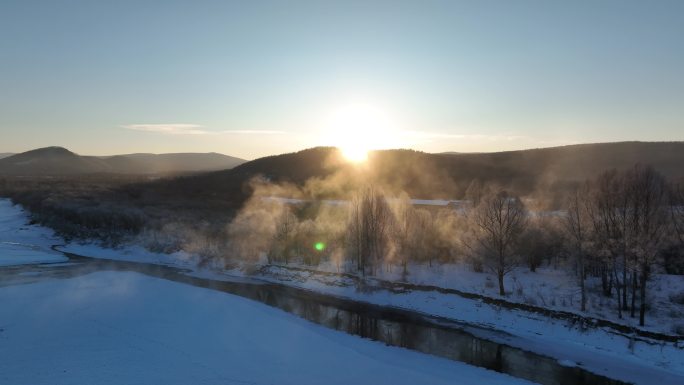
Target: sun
[358, 128]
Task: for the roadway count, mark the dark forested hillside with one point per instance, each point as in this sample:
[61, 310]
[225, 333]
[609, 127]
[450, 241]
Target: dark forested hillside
[170, 163]
[58, 161]
[50, 161]
[424, 175]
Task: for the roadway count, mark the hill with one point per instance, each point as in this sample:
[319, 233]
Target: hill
[170, 163]
[322, 173]
[50, 161]
[58, 161]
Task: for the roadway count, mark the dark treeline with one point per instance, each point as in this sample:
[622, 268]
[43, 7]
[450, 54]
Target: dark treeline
[111, 209]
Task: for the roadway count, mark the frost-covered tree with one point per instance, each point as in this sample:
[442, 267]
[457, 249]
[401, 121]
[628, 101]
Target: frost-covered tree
[577, 226]
[499, 221]
[405, 222]
[542, 239]
[628, 212]
[607, 210]
[647, 225]
[677, 210]
[369, 228]
[283, 245]
[674, 255]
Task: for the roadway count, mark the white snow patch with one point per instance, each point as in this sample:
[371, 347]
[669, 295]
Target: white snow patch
[21, 243]
[567, 363]
[132, 253]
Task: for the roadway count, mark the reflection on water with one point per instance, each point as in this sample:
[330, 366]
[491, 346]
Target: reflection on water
[394, 327]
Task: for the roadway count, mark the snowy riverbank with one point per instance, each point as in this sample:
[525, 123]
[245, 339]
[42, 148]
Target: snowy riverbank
[596, 349]
[23, 243]
[128, 328]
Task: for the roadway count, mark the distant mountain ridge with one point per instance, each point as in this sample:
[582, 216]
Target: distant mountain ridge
[55, 161]
[549, 171]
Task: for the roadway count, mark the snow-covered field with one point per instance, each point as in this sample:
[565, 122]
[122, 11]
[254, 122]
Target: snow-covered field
[127, 328]
[21, 243]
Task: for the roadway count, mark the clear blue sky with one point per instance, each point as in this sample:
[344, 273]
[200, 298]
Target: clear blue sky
[251, 78]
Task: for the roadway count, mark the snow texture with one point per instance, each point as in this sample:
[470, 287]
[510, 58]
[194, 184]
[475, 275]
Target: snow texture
[21, 243]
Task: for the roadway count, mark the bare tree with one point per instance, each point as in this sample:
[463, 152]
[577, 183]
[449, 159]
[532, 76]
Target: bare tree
[577, 226]
[405, 215]
[677, 210]
[425, 237]
[607, 210]
[628, 216]
[648, 216]
[500, 219]
[542, 239]
[283, 240]
[370, 221]
[673, 260]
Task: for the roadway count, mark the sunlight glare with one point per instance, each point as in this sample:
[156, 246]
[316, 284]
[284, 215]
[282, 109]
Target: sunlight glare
[359, 128]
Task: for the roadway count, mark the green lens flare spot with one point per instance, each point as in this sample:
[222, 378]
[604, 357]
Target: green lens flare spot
[320, 246]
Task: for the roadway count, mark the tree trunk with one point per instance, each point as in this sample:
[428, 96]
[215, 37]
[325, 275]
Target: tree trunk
[500, 275]
[634, 285]
[642, 308]
[604, 281]
[618, 287]
[581, 274]
[610, 286]
[624, 281]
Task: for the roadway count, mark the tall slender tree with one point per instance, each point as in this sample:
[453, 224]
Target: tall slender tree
[500, 219]
[647, 225]
[577, 226]
[370, 224]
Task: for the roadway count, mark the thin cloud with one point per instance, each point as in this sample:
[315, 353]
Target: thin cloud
[192, 129]
[252, 132]
[170, 129]
[439, 135]
[480, 142]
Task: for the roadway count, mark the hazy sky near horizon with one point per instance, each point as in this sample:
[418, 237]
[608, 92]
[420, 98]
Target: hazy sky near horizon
[252, 78]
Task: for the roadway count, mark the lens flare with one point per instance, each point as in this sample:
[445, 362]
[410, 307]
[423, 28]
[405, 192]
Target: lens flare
[320, 246]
